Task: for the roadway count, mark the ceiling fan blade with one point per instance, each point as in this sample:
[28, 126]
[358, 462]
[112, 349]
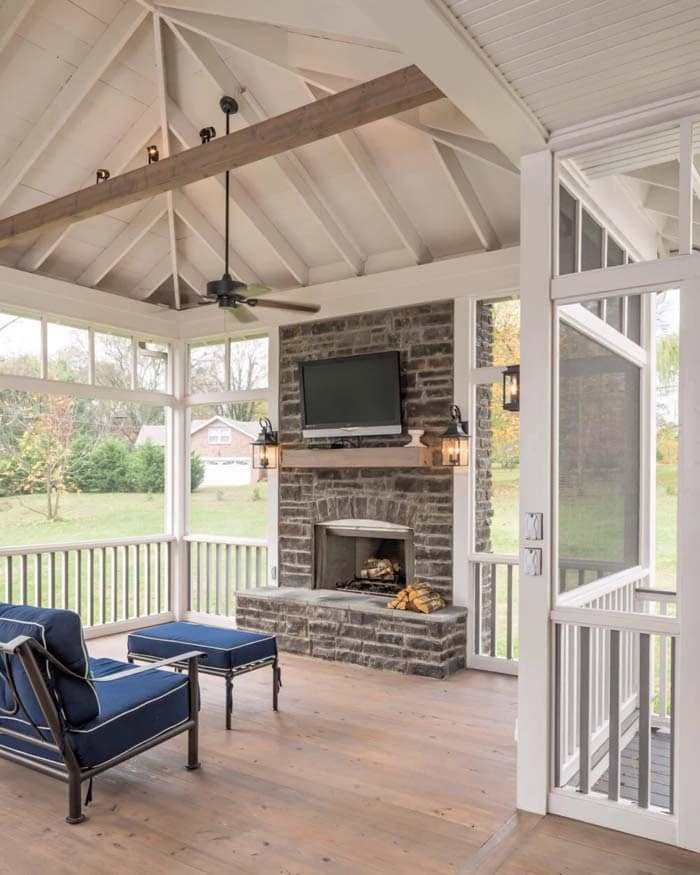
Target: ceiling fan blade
[242, 314]
[283, 305]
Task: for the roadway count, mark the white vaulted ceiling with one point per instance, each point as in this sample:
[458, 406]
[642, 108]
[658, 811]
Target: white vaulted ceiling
[90, 83]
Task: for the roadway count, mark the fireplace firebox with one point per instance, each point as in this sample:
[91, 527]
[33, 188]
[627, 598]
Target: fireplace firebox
[363, 556]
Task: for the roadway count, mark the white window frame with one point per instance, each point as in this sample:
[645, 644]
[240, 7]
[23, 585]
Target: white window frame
[219, 435]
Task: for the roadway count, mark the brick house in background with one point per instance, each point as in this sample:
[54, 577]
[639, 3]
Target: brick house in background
[222, 444]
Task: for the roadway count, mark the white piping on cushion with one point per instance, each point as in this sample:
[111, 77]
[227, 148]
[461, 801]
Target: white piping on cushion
[199, 643]
[130, 711]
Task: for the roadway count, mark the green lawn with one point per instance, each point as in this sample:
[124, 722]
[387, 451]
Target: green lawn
[239, 511]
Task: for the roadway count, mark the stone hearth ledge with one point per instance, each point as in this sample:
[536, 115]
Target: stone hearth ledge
[357, 628]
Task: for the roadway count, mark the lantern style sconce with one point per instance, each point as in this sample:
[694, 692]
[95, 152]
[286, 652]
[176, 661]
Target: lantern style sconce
[511, 388]
[153, 154]
[207, 134]
[265, 446]
[455, 441]
[102, 175]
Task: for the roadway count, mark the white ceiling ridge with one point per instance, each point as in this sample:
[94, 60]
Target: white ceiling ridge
[252, 112]
[165, 137]
[12, 15]
[69, 98]
[187, 134]
[365, 165]
[132, 144]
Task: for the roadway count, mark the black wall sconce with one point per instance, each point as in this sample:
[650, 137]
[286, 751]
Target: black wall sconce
[455, 441]
[102, 175]
[511, 388]
[206, 135]
[265, 446]
[153, 154]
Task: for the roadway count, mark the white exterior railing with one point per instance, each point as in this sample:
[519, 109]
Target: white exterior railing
[107, 582]
[219, 567]
[494, 612]
[614, 681]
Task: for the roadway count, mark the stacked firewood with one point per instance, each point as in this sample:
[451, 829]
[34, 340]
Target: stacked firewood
[380, 569]
[419, 597]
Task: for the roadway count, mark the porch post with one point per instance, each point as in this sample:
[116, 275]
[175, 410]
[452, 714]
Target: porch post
[687, 699]
[179, 481]
[534, 697]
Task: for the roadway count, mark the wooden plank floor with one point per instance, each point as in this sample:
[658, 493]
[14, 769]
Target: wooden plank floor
[360, 772]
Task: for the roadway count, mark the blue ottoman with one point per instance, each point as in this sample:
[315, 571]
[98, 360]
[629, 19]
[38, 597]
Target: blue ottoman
[229, 652]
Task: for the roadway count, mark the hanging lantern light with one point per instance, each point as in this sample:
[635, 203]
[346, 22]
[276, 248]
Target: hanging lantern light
[455, 441]
[265, 446]
[511, 388]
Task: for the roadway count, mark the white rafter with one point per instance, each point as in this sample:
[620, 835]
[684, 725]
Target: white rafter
[12, 15]
[284, 49]
[194, 278]
[155, 278]
[124, 242]
[187, 134]
[133, 143]
[468, 197]
[165, 132]
[329, 19]
[434, 40]
[208, 234]
[251, 112]
[69, 98]
[363, 162]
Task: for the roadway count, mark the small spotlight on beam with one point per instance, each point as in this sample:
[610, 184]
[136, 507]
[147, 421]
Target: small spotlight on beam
[102, 175]
[153, 154]
[207, 134]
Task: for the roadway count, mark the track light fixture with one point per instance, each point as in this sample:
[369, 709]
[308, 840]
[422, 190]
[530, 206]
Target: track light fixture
[207, 134]
[102, 175]
[153, 154]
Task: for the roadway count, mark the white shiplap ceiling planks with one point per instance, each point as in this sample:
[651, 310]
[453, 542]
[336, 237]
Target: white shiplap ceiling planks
[575, 60]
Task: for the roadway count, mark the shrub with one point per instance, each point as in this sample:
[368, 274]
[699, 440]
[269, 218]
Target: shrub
[106, 468]
[147, 465]
[196, 471]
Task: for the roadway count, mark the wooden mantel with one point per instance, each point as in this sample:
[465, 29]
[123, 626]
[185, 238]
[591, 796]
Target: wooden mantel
[362, 457]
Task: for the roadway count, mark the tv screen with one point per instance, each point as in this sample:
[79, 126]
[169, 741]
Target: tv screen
[354, 395]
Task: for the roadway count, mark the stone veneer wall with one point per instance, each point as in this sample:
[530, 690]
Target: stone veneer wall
[420, 498]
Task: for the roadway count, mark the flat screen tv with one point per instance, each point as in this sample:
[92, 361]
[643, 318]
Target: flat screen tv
[353, 395]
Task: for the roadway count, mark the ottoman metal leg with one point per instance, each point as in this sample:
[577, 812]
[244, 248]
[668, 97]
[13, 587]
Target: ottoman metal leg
[276, 684]
[229, 699]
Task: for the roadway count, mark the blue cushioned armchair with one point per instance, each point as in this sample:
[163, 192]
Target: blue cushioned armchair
[71, 717]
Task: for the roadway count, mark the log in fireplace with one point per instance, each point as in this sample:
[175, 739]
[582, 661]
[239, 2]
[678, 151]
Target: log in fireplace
[363, 556]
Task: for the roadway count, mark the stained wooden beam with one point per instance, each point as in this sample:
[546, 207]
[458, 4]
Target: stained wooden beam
[368, 102]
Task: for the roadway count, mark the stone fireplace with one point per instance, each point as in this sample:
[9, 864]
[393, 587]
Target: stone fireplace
[363, 556]
[332, 520]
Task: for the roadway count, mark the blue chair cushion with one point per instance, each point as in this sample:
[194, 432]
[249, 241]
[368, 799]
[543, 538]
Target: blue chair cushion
[225, 648]
[61, 634]
[132, 711]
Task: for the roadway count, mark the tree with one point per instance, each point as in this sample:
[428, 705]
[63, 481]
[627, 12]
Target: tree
[106, 468]
[42, 460]
[147, 466]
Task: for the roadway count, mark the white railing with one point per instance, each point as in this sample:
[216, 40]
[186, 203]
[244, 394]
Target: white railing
[614, 680]
[219, 567]
[613, 593]
[106, 581]
[494, 631]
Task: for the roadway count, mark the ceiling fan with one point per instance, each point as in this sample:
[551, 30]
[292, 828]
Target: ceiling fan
[231, 294]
